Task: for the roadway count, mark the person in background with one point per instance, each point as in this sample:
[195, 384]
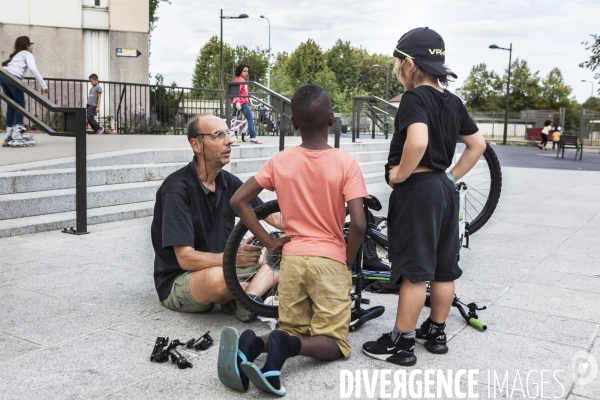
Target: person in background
[242, 103]
[556, 138]
[545, 131]
[19, 62]
[93, 105]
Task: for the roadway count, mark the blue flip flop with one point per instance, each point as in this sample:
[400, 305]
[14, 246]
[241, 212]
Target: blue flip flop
[259, 379]
[227, 367]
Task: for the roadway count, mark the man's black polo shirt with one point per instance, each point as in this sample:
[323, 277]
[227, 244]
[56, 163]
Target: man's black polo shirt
[186, 215]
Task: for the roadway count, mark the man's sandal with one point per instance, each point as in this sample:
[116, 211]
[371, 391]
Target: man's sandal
[259, 379]
[227, 366]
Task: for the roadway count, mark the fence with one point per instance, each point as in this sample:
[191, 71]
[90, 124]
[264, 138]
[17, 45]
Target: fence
[125, 108]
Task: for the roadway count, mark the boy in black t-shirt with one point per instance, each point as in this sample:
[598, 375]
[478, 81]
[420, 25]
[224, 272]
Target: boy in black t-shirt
[424, 204]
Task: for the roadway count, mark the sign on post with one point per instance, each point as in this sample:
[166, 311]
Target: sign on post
[123, 52]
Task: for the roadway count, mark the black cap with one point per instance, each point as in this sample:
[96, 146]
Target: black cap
[426, 48]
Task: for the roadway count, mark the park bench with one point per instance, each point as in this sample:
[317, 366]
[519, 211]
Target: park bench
[365, 128]
[571, 142]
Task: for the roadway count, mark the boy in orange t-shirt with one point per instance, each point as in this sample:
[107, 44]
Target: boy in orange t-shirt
[313, 182]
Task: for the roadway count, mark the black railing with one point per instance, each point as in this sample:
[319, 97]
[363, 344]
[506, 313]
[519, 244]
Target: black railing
[72, 124]
[128, 108]
[378, 116]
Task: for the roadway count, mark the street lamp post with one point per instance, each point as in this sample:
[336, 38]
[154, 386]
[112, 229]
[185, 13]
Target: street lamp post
[221, 64]
[493, 46]
[583, 80]
[269, 65]
[387, 79]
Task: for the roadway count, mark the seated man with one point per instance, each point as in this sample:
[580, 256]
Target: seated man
[192, 221]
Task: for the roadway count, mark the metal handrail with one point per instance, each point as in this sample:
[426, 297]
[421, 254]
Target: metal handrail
[358, 103]
[73, 124]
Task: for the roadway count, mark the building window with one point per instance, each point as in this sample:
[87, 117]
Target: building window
[95, 3]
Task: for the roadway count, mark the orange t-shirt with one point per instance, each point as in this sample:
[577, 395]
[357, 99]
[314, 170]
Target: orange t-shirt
[312, 188]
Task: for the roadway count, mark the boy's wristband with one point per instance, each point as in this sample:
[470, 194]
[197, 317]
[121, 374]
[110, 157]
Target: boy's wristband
[449, 174]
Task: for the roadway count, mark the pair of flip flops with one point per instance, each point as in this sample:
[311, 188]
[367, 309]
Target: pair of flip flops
[229, 373]
[254, 141]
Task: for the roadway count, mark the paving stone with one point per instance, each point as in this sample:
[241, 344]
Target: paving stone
[19, 306]
[71, 325]
[10, 272]
[91, 284]
[582, 242]
[506, 354]
[89, 367]
[186, 325]
[585, 386]
[570, 262]
[542, 326]
[11, 347]
[166, 386]
[562, 302]
[563, 280]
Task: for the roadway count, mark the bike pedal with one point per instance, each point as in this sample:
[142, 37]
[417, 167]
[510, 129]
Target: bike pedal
[365, 301]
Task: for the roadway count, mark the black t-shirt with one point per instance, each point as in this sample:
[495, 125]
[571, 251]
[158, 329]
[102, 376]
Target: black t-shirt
[445, 116]
[188, 214]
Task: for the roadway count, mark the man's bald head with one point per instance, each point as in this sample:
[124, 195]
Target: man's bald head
[205, 123]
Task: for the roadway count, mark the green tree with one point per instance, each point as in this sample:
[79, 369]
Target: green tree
[555, 91]
[344, 61]
[482, 89]
[257, 60]
[280, 81]
[594, 62]
[208, 64]
[373, 79]
[305, 63]
[592, 103]
[524, 87]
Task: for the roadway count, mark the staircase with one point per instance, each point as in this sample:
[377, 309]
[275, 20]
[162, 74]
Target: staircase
[40, 196]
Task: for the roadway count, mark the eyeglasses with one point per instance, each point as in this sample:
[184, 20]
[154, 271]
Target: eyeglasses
[218, 136]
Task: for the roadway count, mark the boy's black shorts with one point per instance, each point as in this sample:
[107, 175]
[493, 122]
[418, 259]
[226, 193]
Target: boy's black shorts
[423, 228]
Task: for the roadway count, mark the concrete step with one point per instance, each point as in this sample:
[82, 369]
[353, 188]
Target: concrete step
[20, 205]
[64, 178]
[40, 196]
[100, 215]
[141, 157]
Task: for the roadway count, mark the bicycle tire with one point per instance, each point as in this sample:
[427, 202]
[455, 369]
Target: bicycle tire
[476, 222]
[229, 266]
[245, 136]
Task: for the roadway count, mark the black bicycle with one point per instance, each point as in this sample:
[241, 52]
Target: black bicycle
[480, 193]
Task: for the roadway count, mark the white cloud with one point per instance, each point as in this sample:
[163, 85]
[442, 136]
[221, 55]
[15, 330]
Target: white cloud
[547, 34]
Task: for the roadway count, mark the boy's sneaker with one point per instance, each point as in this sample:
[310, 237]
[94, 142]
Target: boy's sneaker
[432, 338]
[401, 352]
[100, 131]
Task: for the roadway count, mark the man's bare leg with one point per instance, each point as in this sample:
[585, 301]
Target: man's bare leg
[264, 279]
[208, 286]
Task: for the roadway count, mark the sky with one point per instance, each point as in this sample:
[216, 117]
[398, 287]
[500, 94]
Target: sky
[547, 34]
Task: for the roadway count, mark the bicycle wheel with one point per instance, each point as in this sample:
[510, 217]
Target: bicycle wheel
[262, 281]
[245, 136]
[484, 184]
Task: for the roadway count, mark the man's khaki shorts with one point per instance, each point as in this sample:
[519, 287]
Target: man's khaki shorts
[314, 298]
[180, 299]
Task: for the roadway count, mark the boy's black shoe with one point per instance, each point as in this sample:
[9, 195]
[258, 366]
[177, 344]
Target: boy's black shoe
[432, 338]
[401, 353]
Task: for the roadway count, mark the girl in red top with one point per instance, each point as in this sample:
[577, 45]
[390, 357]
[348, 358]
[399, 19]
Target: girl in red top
[241, 103]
